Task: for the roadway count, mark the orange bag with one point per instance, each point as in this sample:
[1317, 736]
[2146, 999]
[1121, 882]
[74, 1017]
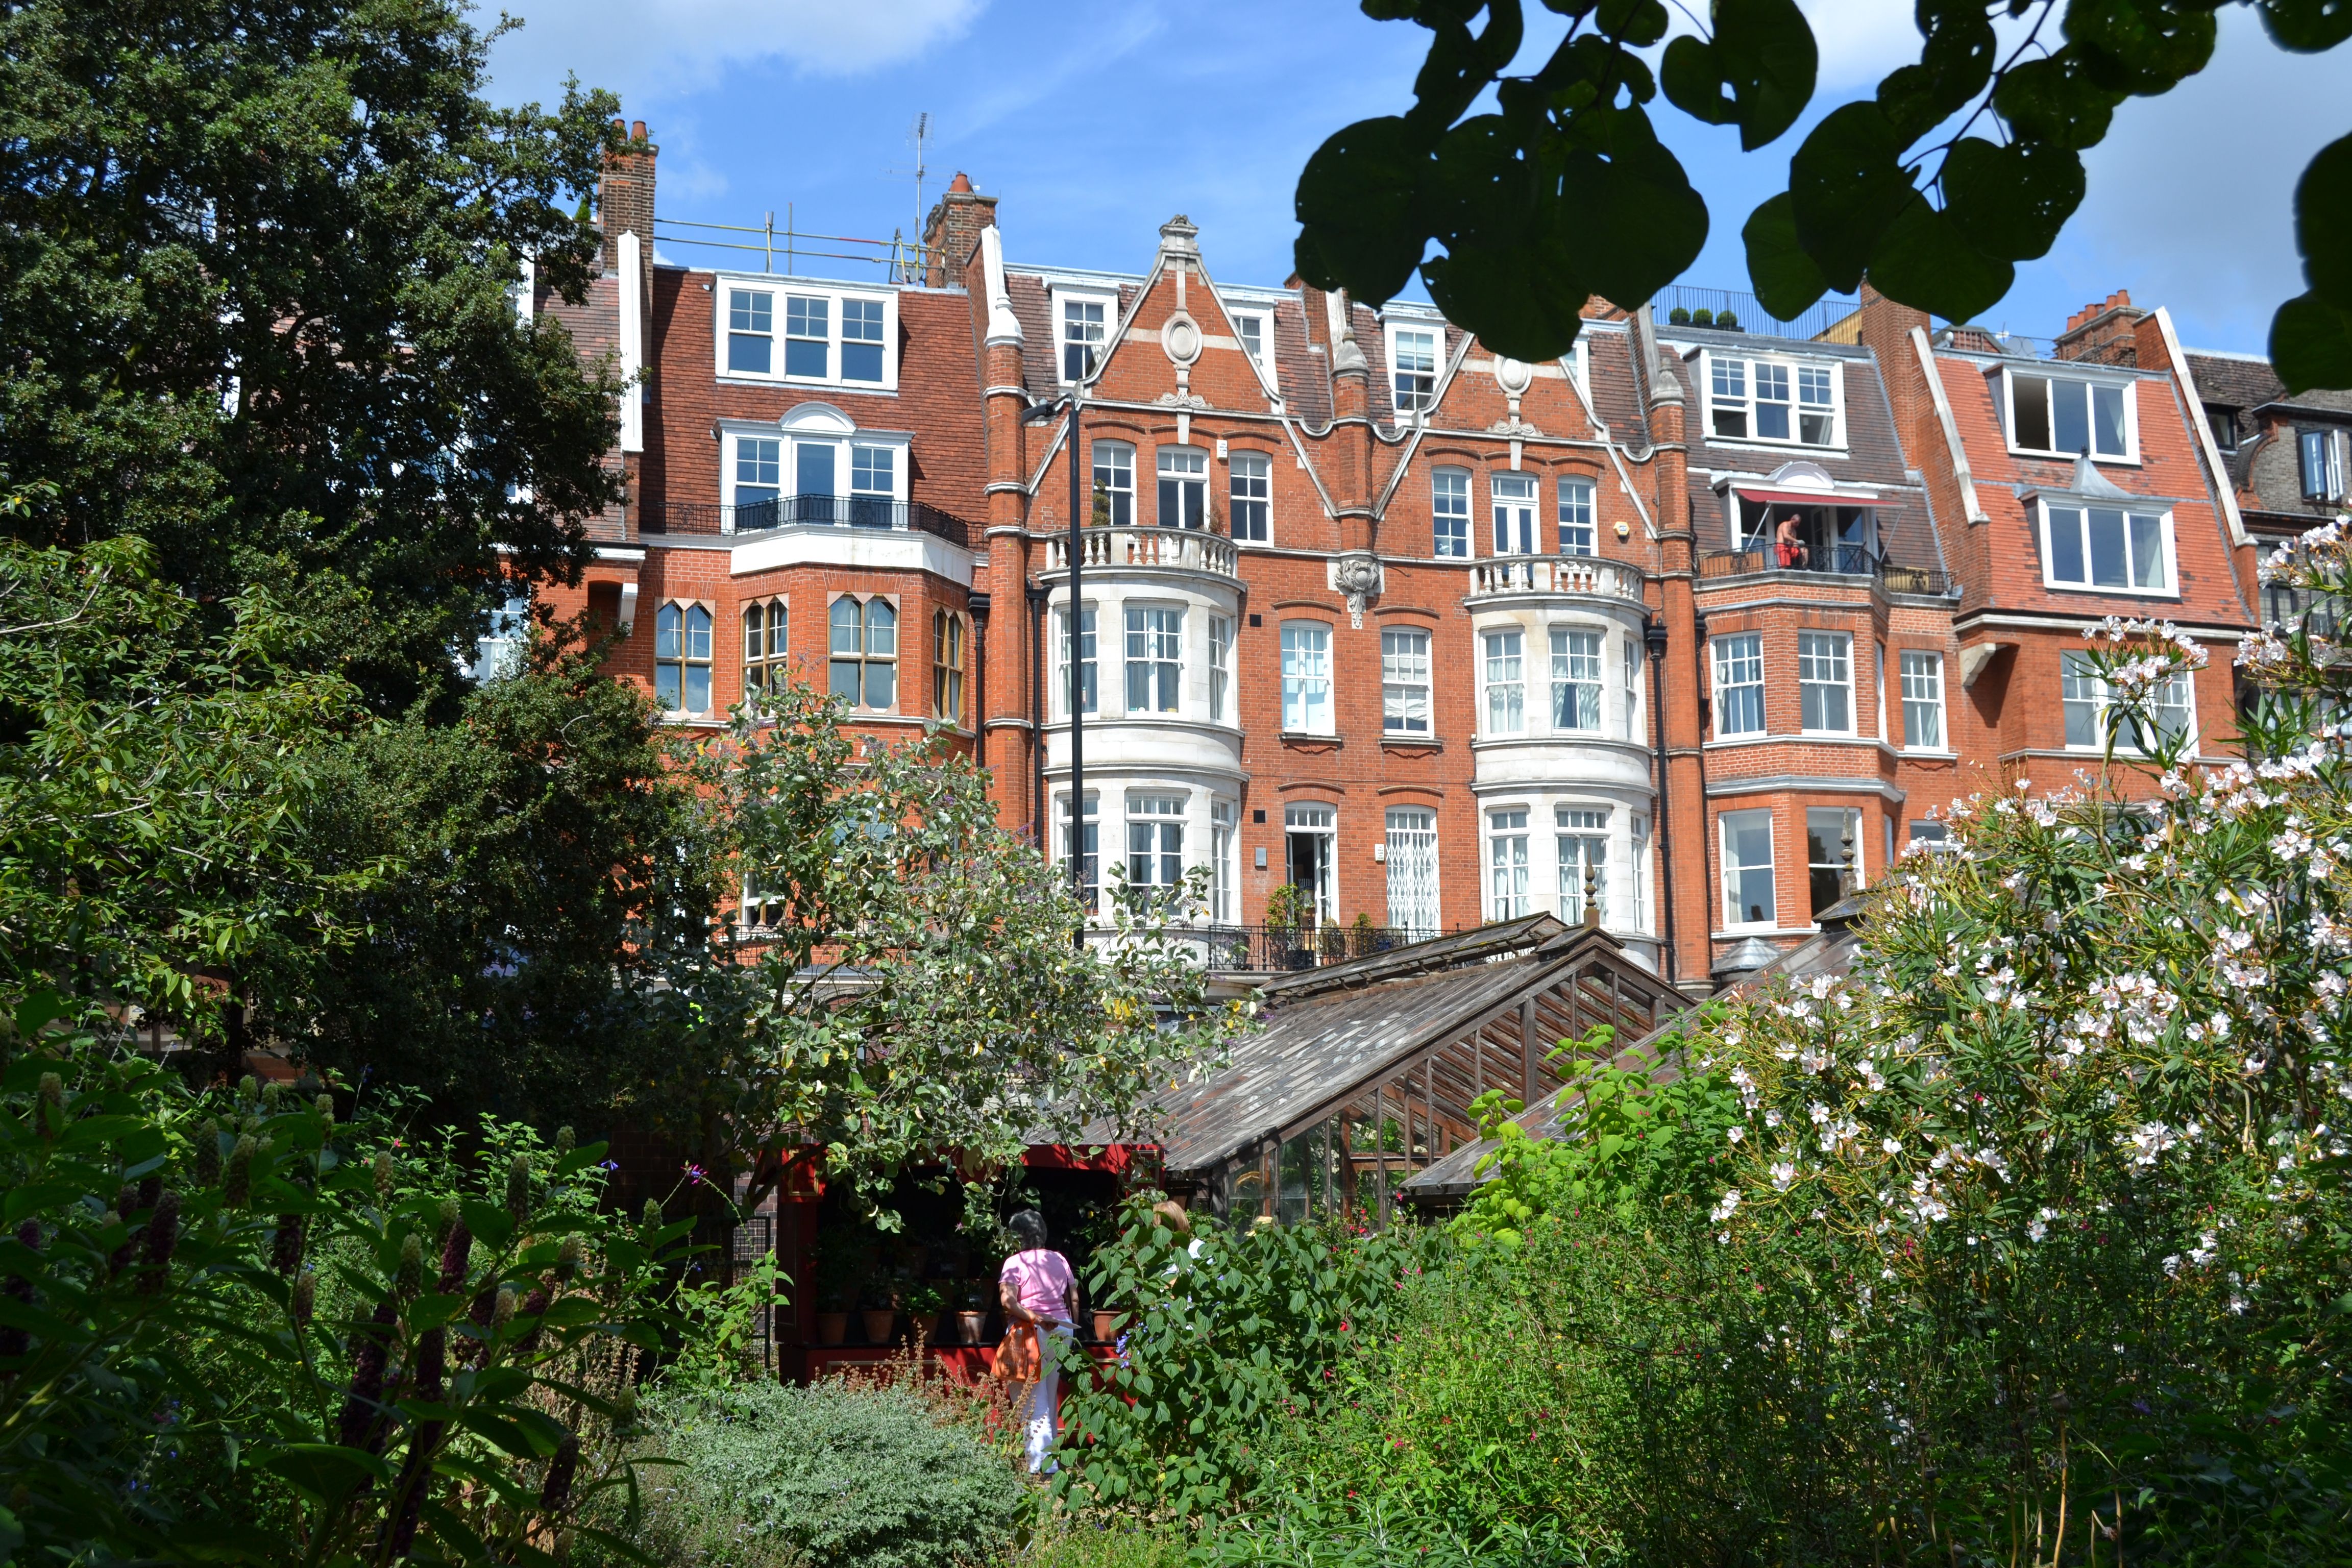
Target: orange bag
[1018, 1357]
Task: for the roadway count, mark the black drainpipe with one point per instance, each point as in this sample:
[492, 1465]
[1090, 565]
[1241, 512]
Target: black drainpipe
[1038, 812]
[1653, 637]
[1706, 830]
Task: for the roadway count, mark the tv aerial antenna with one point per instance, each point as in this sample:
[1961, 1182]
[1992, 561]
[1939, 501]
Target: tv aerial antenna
[912, 264]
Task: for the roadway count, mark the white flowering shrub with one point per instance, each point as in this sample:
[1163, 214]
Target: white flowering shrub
[2046, 1199]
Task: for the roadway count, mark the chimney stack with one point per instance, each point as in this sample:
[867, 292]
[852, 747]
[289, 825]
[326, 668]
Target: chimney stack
[624, 197]
[2102, 333]
[952, 232]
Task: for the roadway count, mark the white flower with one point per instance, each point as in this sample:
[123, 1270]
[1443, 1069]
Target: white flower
[2036, 1230]
[1724, 1209]
[1892, 1145]
[1735, 1134]
[1783, 1173]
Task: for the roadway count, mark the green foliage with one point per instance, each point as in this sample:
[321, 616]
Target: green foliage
[245, 1331]
[1219, 1346]
[1106, 1541]
[837, 1476]
[1378, 1531]
[1565, 192]
[256, 298]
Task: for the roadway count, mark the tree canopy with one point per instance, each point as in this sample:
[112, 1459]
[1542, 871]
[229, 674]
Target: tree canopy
[1963, 164]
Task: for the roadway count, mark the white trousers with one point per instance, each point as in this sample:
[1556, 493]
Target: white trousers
[1042, 1413]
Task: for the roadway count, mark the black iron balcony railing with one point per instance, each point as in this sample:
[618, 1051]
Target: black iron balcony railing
[1840, 560]
[801, 512]
[1258, 950]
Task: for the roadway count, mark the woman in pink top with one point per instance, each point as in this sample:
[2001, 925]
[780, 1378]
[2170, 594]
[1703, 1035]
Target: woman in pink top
[1040, 1292]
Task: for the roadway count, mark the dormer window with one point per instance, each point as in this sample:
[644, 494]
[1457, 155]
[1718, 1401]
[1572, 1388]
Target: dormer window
[837, 337]
[1773, 400]
[2106, 548]
[1253, 330]
[1412, 360]
[2067, 417]
[1084, 326]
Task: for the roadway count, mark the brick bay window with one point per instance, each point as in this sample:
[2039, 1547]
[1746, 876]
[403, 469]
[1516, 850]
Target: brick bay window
[1506, 863]
[1739, 684]
[767, 626]
[1825, 682]
[682, 659]
[2067, 416]
[1307, 678]
[864, 664]
[1748, 891]
[1506, 687]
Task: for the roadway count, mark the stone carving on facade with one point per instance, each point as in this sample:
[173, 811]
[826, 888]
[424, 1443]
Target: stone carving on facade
[1358, 575]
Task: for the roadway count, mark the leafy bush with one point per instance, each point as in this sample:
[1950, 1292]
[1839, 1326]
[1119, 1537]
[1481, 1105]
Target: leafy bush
[1259, 1327]
[835, 1475]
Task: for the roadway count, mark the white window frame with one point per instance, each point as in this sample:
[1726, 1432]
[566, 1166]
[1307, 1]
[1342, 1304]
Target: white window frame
[1412, 866]
[1794, 370]
[1577, 514]
[1307, 706]
[1090, 854]
[2088, 690]
[1320, 818]
[1507, 874]
[1921, 670]
[1263, 357]
[1729, 823]
[767, 647]
[1089, 661]
[1249, 482]
[1449, 531]
[1582, 838]
[685, 655]
[1629, 658]
[1224, 870]
[1155, 845]
[1414, 403]
[1523, 533]
[1405, 682]
[1180, 474]
[1152, 657]
[723, 288]
[1578, 678]
[1107, 298]
[1824, 672]
[1104, 460]
[1637, 827]
[1503, 674]
[504, 646]
[2068, 371]
[811, 424]
[867, 655]
[2330, 477]
[1221, 669]
[2082, 521]
[1737, 654]
[1849, 818]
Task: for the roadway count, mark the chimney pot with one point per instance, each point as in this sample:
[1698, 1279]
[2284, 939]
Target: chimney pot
[617, 125]
[637, 131]
[962, 181]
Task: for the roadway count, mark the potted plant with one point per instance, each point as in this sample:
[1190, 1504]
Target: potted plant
[1285, 908]
[923, 1301]
[1106, 1326]
[836, 1283]
[877, 1312]
[971, 1319]
[1361, 936]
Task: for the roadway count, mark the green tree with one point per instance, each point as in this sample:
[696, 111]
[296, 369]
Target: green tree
[1963, 164]
[256, 275]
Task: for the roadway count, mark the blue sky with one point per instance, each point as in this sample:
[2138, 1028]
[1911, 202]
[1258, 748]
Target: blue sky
[1093, 122]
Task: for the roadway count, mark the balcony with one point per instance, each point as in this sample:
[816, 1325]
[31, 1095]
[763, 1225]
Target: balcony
[1590, 576]
[695, 517]
[1827, 560]
[1266, 949]
[1143, 549]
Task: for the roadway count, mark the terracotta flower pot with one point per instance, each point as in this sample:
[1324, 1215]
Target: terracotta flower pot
[878, 1322]
[1106, 1327]
[972, 1326]
[832, 1327]
[928, 1325]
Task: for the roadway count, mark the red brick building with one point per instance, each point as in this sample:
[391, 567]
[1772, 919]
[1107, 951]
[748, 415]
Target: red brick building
[1698, 620]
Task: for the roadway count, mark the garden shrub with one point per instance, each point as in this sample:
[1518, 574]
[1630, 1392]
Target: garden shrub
[835, 1475]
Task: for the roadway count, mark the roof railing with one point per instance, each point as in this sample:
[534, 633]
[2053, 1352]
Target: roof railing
[881, 512]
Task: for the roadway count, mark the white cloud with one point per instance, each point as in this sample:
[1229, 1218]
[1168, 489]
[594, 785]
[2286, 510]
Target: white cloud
[652, 47]
[1860, 40]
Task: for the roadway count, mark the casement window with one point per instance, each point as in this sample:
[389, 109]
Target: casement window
[1773, 400]
[1412, 358]
[1221, 669]
[1629, 668]
[1251, 504]
[2105, 548]
[1923, 699]
[504, 646]
[2066, 416]
[872, 485]
[1878, 685]
[2224, 424]
[1086, 323]
[864, 651]
[1253, 330]
[1155, 658]
[2089, 708]
[1225, 869]
[1577, 534]
[1829, 831]
[767, 626]
[1748, 898]
[1183, 487]
[1086, 661]
[1086, 844]
[1739, 684]
[1575, 679]
[1155, 847]
[1583, 846]
[1310, 838]
[1115, 484]
[814, 464]
[758, 482]
[2320, 454]
[1506, 863]
[947, 666]
[751, 332]
[837, 336]
[1506, 682]
[682, 659]
[1413, 870]
[1404, 683]
[1449, 502]
[1515, 513]
[1638, 869]
[1307, 678]
[1825, 682]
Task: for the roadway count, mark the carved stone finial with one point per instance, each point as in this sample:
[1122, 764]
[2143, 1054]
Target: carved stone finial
[1846, 876]
[1591, 897]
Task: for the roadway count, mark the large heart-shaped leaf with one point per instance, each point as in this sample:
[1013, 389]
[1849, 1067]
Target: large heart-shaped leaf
[2323, 222]
[2054, 100]
[1756, 72]
[1628, 213]
[1846, 184]
[2011, 201]
[2311, 344]
[1922, 259]
[2308, 27]
[1355, 205]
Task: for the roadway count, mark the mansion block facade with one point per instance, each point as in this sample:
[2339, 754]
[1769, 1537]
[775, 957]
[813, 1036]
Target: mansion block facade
[1695, 623]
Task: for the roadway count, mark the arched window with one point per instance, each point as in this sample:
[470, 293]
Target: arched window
[947, 666]
[766, 623]
[682, 659]
[865, 651]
